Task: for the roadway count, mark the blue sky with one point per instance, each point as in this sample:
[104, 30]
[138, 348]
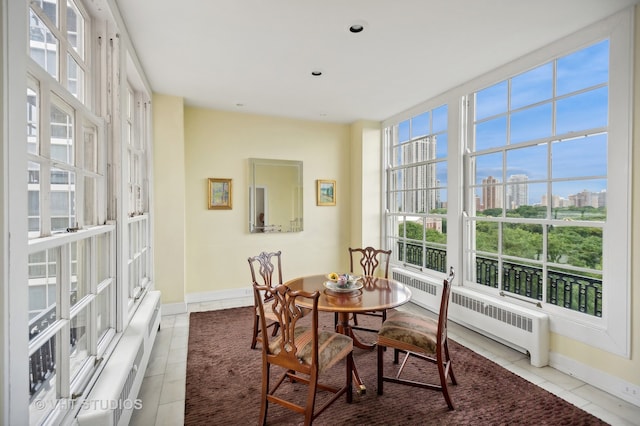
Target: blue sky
[529, 112]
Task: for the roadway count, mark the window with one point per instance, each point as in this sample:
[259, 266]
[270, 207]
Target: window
[417, 190]
[537, 182]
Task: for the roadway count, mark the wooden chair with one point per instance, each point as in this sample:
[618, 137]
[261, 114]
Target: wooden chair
[419, 337]
[268, 264]
[369, 259]
[302, 352]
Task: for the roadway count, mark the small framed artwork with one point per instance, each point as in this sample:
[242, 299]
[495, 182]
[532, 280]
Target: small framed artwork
[326, 194]
[219, 194]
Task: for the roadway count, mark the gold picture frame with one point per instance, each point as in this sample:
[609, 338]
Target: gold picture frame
[220, 195]
[326, 192]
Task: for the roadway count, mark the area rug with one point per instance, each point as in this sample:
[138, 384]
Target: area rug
[224, 378]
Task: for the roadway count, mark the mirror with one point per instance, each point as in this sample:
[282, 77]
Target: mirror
[275, 196]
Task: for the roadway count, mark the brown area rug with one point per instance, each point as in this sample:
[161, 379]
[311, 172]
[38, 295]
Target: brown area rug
[224, 378]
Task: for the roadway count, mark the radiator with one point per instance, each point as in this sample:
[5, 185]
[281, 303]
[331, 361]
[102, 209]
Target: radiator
[113, 398]
[523, 329]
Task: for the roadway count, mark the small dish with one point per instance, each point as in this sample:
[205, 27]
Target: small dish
[350, 286]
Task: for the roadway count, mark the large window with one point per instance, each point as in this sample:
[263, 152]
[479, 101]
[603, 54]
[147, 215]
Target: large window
[538, 181]
[536, 168]
[417, 190]
[86, 276]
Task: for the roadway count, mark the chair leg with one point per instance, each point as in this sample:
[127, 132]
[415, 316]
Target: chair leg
[443, 382]
[380, 368]
[264, 404]
[254, 340]
[350, 378]
[448, 359]
[311, 398]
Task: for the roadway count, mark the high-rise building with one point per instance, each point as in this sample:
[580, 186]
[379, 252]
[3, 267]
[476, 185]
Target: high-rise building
[420, 176]
[491, 193]
[517, 191]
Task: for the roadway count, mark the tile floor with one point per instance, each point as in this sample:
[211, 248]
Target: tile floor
[163, 389]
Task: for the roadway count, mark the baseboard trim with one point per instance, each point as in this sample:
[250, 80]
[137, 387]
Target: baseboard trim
[611, 384]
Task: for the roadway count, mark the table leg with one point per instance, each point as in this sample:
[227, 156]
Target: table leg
[345, 328]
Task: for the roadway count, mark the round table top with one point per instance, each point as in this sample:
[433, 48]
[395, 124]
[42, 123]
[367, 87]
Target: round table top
[376, 294]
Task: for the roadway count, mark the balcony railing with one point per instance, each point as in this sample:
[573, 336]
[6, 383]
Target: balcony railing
[575, 292]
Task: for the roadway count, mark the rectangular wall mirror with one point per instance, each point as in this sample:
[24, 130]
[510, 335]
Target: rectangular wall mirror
[275, 196]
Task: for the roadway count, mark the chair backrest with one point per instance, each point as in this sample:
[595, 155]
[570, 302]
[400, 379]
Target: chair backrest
[284, 348]
[267, 265]
[444, 307]
[370, 258]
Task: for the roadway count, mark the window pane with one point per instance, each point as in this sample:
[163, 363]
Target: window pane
[441, 140]
[103, 255]
[90, 146]
[79, 348]
[50, 8]
[522, 240]
[487, 236]
[528, 163]
[580, 200]
[61, 135]
[33, 136]
[33, 199]
[403, 131]
[80, 271]
[491, 101]
[491, 134]
[43, 45]
[584, 68]
[42, 291]
[420, 125]
[42, 381]
[62, 200]
[75, 28]
[532, 87]
[575, 246]
[440, 119]
[579, 157]
[531, 124]
[75, 78]
[584, 111]
[488, 166]
[103, 312]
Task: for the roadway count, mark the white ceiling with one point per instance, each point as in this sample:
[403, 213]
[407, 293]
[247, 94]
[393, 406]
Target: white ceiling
[256, 56]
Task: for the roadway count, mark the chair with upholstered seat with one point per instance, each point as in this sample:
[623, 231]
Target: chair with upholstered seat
[418, 337]
[369, 259]
[267, 264]
[302, 352]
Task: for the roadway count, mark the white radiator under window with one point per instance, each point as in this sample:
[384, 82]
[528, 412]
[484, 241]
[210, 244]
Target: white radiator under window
[114, 396]
[523, 329]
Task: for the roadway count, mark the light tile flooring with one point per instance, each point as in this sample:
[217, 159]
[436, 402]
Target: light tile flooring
[163, 389]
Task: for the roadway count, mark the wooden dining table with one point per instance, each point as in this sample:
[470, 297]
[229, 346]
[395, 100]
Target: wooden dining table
[376, 294]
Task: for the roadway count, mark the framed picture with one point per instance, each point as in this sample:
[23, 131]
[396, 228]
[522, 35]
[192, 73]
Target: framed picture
[326, 194]
[219, 194]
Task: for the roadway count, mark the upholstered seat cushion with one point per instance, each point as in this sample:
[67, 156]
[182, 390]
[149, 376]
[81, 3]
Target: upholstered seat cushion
[410, 332]
[268, 311]
[332, 347]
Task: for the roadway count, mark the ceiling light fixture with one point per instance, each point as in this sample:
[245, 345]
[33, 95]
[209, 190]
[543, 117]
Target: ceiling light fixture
[316, 73]
[356, 28]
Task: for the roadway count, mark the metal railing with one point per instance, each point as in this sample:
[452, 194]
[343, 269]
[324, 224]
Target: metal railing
[571, 291]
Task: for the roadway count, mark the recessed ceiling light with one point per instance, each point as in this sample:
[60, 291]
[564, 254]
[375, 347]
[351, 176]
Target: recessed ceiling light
[316, 73]
[239, 104]
[356, 28]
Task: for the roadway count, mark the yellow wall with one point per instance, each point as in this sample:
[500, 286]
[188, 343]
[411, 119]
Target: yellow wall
[169, 197]
[219, 144]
